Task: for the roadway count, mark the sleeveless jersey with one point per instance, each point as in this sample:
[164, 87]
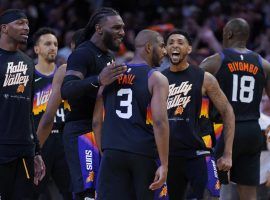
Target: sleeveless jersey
[128, 124]
[183, 106]
[242, 79]
[42, 92]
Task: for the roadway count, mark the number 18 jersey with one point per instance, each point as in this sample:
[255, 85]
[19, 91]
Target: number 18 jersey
[127, 124]
[242, 79]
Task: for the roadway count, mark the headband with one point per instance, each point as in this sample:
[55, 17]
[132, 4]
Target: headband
[11, 16]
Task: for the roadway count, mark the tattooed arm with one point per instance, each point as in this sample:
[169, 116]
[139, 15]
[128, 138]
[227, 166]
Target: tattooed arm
[212, 89]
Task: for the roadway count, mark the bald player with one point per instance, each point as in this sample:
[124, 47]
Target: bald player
[242, 75]
[135, 129]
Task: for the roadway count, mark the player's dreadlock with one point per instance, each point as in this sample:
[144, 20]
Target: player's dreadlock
[96, 18]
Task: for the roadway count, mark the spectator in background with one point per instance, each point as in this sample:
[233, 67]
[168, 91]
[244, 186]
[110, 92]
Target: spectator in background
[264, 122]
[65, 51]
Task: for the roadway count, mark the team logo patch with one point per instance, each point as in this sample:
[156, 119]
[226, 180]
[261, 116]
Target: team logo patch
[89, 159]
[20, 89]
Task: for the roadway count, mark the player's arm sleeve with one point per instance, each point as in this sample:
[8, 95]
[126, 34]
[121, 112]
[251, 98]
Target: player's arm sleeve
[36, 141]
[37, 145]
[75, 85]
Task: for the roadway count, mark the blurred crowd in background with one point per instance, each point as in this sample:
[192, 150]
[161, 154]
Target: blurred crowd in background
[203, 19]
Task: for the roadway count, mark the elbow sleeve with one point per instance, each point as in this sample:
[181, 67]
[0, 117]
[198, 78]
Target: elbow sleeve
[74, 87]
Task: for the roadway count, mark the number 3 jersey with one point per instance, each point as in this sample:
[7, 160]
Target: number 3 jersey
[242, 79]
[42, 92]
[127, 124]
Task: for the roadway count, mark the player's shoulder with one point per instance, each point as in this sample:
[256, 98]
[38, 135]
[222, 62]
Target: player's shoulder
[24, 57]
[212, 63]
[158, 78]
[83, 52]
[213, 58]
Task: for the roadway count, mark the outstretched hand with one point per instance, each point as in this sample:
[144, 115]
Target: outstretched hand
[160, 178]
[110, 73]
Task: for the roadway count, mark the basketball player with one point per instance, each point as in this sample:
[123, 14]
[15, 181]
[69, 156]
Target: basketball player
[242, 75]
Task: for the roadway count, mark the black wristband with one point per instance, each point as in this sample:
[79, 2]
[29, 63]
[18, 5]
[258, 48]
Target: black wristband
[96, 82]
[37, 149]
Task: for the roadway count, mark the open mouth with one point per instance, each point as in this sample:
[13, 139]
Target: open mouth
[175, 55]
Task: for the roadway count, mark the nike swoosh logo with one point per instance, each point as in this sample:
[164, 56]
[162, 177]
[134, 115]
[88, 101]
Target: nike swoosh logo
[94, 85]
[99, 55]
[36, 80]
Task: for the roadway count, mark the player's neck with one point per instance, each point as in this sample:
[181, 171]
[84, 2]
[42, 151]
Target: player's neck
[137, 59]
[179, 67]
[99, 43]
[45, 68]
[8, 45]
[238, 45]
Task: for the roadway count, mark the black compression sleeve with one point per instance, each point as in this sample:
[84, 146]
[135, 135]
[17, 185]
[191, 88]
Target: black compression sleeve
[73, 87]
[37, 145]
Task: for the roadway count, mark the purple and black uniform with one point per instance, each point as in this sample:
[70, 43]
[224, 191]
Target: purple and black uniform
[53, 150]
[242, 79]
[79, 141]
[187, 162]
[129, 160]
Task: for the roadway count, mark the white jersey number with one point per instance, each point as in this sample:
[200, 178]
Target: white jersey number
[126, 103]
[246, 92]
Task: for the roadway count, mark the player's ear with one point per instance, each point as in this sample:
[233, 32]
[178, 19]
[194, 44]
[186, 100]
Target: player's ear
[189, 49]
[99, 29]
[229, 35]
[36, 49]
[148, 47]
[4, 28]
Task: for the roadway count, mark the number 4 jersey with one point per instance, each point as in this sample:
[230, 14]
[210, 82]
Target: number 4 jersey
[42, 92]
[127, 123]
[242, 79]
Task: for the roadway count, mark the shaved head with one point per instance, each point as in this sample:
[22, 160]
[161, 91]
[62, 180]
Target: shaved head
[149, 48]
[146, 36]
[239, 29]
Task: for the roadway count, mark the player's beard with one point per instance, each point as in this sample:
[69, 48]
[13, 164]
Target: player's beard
[51, 58]
[177, 62]
[155, 59]
[109, 41]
